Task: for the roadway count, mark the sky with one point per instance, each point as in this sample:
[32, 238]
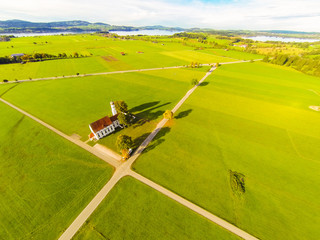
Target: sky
[297, 15]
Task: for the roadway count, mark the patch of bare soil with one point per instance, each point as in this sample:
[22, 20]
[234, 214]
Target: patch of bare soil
[110, 58]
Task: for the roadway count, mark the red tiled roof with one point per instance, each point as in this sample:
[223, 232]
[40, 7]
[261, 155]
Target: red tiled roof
[114, 117]
[101, 124]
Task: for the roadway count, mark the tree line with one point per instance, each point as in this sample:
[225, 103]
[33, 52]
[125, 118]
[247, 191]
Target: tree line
[37, 57]
[305, 65]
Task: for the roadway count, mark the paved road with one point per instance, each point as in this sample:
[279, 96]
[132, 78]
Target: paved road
[107, 151]
[192, 206]
[115, 72]
[124, 169]
[113, 162]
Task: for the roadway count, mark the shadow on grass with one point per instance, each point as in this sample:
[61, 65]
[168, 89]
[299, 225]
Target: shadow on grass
[9, 89]
[149, 114]
[143, 106]
[156, 141]
[203, 84]
[14, 128]
[183, 114]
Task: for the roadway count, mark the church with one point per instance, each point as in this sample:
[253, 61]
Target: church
[105, 125]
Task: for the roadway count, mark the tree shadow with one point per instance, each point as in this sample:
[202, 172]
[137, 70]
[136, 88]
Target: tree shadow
[203, 84]
[143, 106]
[149, 114]
[156, 141]
[138, 122]
[14, 128]
[9, 89]
[183, 114]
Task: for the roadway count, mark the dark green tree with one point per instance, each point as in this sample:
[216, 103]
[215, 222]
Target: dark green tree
[121, 106]
[124, 119]
[194, 81]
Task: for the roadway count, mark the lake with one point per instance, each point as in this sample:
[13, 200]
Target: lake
[281, 39]
[146, 32]
[120, 33]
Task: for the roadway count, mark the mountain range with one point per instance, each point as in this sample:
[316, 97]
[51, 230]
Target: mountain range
[15, 26]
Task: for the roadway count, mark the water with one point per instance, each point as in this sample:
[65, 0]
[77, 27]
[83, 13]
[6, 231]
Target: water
[281, 39]
[41, 34]
[120, 33]
[146, 32]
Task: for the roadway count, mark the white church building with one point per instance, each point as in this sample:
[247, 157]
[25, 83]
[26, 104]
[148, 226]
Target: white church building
[104, 126]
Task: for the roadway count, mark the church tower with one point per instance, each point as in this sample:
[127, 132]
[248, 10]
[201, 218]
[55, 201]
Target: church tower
[113, 108]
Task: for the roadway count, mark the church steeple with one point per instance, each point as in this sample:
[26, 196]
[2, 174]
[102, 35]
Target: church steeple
[113, 108]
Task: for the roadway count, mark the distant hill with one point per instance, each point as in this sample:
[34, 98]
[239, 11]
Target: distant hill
[25, 24]
[20, 26]
[17, 26]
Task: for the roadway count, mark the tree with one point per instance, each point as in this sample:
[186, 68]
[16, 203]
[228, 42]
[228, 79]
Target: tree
[76, 54]
[168, 114]
[124, 119]
[194, 81]
[121, 106]
[124, 143]
[217, 64]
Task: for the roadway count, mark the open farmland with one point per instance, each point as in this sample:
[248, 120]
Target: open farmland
[243, 146]
[101, 54]
[135, 211]
[72, 104]
[252, 118]
[41, 193]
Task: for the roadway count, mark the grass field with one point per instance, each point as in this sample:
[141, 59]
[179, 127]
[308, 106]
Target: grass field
[252, 118]
[72, 104]
[45, 181]
[134, 211]
[98, 50]
[234, 54]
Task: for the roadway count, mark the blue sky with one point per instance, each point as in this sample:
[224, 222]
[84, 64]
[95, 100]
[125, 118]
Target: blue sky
[301, 15]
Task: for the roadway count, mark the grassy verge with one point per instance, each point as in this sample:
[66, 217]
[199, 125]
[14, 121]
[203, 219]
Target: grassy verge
[132, 210]
[45, 181]
[72, 104]
[254, 119]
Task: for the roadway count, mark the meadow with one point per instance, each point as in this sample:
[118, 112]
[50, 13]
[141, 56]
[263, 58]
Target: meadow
[40, 191]
[72, 104]
[101, 54]
[132, 210]
[252, 118]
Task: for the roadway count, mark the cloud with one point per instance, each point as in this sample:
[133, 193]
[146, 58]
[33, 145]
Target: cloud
[218, 14]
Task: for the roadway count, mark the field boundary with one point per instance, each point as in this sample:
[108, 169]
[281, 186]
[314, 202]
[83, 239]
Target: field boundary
[123, 169]
[116, 72]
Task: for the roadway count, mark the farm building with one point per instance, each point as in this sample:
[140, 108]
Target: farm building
[105, 125]
[17, 55]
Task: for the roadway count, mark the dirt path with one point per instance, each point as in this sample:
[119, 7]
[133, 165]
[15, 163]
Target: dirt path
[107, 151]
[192, 206]
[124, 169]
[115, 72]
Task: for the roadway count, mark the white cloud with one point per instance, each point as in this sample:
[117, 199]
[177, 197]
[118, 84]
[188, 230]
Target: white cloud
[237, 14]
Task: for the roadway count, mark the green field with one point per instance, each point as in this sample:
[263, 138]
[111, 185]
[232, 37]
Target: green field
[45, 181]
[253, 118]
[72, 104]
[132, 210]
[234, 54]
[97, 49]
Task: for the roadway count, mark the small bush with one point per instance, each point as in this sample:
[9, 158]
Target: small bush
[237, 182]
[168, 114]
[194, 81]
